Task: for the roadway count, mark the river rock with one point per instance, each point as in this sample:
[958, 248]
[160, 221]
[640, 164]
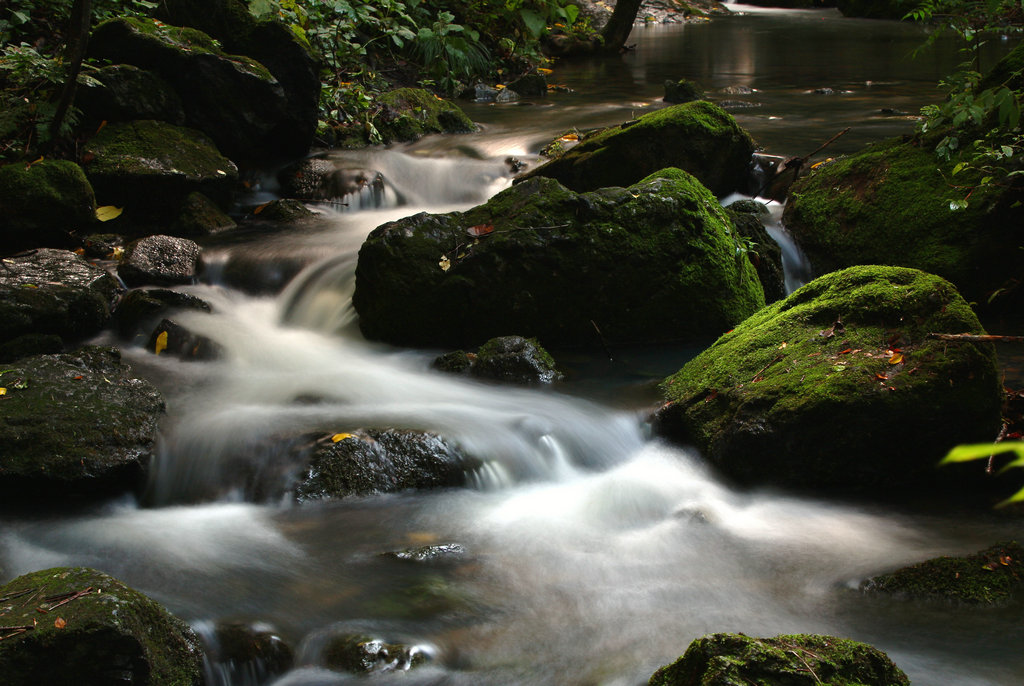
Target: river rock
[683, 90]
[286, 211]
[838, 388]
[362, 654]
[411, 113]
[171, 338]
[89, 629]
[200, 216]
[698, 137]
[53, 292]
[140, 310]
[655, 261]
[77, 424]
[991, 577]
[159, 261]
[890, 204]
[507, 359]
[441, 552]
[382, 461]
[149, 168]
[123, 92]
[794, 660]
[749, 216]
[44, 204]
[320, 178]
[232, 99]
[246, 652]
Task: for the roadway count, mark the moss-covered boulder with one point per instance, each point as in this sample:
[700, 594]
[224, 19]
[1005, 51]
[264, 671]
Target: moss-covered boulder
[993, 576]
[122, 92]
[198, 215]
[655, 261]
[53, 292]
[81, 626]
[698, 137]
[77, 424]
[838, 388]
[683, 90]
[506, 359]
[411, 113]
[44, 204]
[233, 99]
[793, 660]
[890, 204]
[382, 461]
[149, 168]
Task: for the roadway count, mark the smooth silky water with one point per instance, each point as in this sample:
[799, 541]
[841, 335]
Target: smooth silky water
[594, 554]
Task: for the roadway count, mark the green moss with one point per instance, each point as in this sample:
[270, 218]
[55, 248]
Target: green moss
[410, 113]
[838, 386]
[109, 630]
[890, 204]
[990, 577]
[44, 204]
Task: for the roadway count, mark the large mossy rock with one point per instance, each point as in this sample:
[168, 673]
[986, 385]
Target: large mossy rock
[53, 292]
[838, 388]
[410, 113]
[76, 424]
[655, 261]
[890, 204]
[698, 137]
[89, 629]
[794, 660]
[150, 168]
[122, 92]
[993, 576]
[44, 204]
[233, 99]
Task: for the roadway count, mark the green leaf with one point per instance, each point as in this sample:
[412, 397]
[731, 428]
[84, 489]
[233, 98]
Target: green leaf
[533, 21]
[978, 451]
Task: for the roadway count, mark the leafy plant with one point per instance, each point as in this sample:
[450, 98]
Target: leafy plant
[450, 52]
[980, 451]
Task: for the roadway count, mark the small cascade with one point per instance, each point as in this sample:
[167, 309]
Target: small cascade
[795, 267]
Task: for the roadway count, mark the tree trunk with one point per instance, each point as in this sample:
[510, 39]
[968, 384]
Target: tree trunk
[616, 31]
[78, 39]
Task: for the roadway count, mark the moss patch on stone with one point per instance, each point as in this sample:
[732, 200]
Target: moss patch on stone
[410, 113]
[839, 388]
[44, 204]
[991, 577]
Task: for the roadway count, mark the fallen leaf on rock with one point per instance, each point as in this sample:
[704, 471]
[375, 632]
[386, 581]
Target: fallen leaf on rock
[338, 437]
[896, 358]
[480, 230]
[108, 212]
[60, 622]
[161, 343]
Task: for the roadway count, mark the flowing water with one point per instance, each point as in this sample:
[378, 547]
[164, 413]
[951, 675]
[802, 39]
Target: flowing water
[593, 553]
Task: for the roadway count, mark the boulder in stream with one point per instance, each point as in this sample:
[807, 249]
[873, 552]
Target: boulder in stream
[839, 388]
[74, 625]
[698, 137]
[363, 654]
[159, 261]
[794, 660]
[245, 652]
[508, 359]
[75, 425]
[655, 261]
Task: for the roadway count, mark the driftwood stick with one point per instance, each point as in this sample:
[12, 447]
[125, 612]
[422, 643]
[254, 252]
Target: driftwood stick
[976, 338]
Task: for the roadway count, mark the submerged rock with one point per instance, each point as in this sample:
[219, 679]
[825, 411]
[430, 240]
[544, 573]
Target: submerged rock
[46, 203]
[247, 653]
[508, 359]
[86, 628]
[53, 292]
[794, 660]
[698, 137]
[838, 388]
[362, 653]
[656, 261]
[991, 577]
[440, 552]
[890, 204]
[76, 424]
[382, 461]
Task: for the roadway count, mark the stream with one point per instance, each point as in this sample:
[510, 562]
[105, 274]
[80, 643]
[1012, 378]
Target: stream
[594, 554]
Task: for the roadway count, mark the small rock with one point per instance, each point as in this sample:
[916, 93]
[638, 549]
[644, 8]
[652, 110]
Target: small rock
[160, 260]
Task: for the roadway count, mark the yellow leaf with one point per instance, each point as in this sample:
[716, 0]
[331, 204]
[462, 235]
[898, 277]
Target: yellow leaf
[896, 358]
[117, 253]
[161, 343]
[544, 71]
[445, 264]
[340, 437]
[60, 622]
[108, 212]
[3, 391]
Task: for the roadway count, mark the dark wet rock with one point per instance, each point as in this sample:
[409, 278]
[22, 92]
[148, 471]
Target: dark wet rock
[320, 178]
[507, 359]
[683, 90]
[382, 461]
[53, 292]
[530, 85]
[45, 204]
[698, 137]
[286, 211]
[30, 344]
[200, 216]
[794, 660]
[272, 44]
[149, 168]
[362, 653]
[748, 216]
[77, 423]
[890, 204]
[431, 553]
[123, 92]
[159, 261]
[233, 99]
[873, 9]
[260, 273]
[170, 338]
[737, 104]
[656, 261]
[103, 246]
[108, 633]
[140, 310]
[991, 577]
[244, 652]
[838, 388]
[410, 113]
